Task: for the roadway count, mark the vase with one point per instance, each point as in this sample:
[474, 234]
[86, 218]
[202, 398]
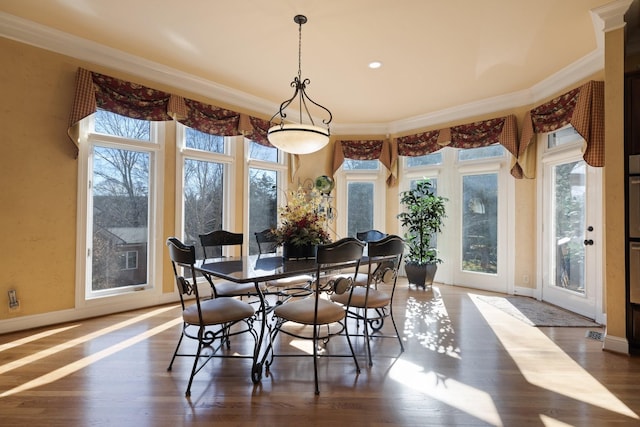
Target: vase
[291, 251]
[421, 274]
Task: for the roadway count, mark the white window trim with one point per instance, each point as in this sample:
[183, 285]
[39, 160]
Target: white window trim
[560, 154]
[133, 296]
[226, 158]
[449, 175]
[343, 178]
[280, 167]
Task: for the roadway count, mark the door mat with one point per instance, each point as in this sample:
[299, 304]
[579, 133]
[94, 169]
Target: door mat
[538, 313]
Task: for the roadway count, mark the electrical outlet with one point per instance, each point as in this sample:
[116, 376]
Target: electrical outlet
[14, 303]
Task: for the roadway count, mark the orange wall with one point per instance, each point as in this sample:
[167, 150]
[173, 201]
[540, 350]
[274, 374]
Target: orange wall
[38, 178]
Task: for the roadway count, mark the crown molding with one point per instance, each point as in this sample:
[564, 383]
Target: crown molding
[566, 77]
[47, 38]
[43, 37]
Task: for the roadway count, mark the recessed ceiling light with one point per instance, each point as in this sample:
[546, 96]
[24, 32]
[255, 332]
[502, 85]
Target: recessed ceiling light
[375, 64]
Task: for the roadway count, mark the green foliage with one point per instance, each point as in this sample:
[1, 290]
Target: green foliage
[422, 219]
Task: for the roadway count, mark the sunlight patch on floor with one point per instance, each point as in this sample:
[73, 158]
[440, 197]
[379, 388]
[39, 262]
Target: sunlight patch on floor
[547, 421]
[302, 345]
[86, 361]
[473, 401]
[428, 322]
[35, 337]
[76, 341]
[544, 364]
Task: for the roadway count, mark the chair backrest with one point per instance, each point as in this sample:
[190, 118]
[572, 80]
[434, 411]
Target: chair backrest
[370, 235]
[387, 246]
[217, 239]
[391, 246]
[184, 256]
[346, 251]
[342, 251]
[267, 243]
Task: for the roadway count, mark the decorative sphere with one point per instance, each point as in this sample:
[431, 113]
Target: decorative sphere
[324, 184]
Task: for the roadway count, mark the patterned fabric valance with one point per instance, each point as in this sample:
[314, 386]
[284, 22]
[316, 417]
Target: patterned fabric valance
[419, 144]
[209, 119]
[503, 130]
[361, 150]
[583, 108]
[256, 129]
[94, 90]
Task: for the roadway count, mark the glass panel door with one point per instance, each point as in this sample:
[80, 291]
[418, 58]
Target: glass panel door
[571, 240]
[360, 197]
[480, 223]
[567, 263]
[482, 240]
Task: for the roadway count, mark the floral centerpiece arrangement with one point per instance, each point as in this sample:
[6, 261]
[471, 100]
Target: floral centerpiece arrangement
[302, 224]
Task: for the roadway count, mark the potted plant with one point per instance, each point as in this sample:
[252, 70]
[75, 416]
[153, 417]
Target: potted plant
[302, 225]
[422, 219]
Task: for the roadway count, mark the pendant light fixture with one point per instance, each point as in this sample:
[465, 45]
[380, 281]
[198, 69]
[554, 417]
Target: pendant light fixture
[301, 137]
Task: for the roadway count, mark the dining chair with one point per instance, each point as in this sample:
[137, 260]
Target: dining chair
[370, 235]
[370, 304]
[213, 244]
[288, 286]
[316, 311]
[205, 320]
[362, 278]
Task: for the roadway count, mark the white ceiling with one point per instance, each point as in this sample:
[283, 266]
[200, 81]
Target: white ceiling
[438, 56]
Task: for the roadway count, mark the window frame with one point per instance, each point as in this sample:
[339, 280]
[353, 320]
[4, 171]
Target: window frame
[128, 296]
[449, 175]
[343, 178]
[226, 158]
[280, 167]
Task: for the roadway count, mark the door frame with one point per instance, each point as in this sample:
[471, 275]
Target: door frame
[594, 281]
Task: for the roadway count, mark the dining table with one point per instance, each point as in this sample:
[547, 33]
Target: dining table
[259, 269]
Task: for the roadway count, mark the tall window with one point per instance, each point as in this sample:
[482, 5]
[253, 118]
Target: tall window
[121, 154]
[264, 182]
[473, 244]
[362, 208]
[480, 223]
[205, 163]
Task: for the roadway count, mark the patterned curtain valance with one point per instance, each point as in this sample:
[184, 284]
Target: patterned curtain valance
[210, 119]
[583, 108]
[94, 90]
[419, 144]
[503, 130]
[255, 129]
[362, 150]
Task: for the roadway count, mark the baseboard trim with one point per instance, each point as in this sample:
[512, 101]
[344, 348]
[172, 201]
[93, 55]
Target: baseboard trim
[616, 344]
[71, 315]
[525, 292]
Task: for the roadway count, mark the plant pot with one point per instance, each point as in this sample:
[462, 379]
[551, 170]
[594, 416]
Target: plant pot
[421, 275]
[291, 251]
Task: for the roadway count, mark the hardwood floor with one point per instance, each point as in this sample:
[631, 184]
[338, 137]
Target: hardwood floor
[465, 363]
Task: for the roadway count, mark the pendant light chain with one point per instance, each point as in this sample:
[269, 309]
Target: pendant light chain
[300, 50]
[301, 137]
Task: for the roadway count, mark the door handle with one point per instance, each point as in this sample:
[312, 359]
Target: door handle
[588, 242]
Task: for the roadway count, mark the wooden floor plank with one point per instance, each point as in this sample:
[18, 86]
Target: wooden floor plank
[465, 363]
